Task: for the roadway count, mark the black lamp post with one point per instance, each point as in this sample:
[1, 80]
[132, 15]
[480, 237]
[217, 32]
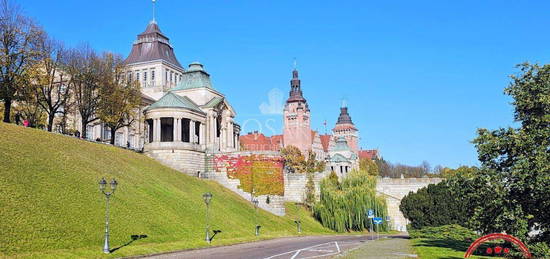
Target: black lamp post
[255, 201]
[102, 186]
[207, 197]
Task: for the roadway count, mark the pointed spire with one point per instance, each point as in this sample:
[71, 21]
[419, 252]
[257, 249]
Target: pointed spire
[295, 94]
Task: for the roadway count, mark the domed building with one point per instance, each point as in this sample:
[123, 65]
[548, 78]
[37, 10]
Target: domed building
[341, 159]
[190, 120]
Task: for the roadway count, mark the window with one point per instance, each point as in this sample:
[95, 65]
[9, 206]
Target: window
[129, 76]
[145, 76]
[166, 75]
[171, 75]
[185, 124]
[137, 76]
[153, 75]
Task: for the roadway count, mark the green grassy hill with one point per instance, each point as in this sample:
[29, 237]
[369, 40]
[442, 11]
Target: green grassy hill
[51, 205]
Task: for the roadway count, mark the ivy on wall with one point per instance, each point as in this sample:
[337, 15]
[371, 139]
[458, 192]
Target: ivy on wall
[258, 173]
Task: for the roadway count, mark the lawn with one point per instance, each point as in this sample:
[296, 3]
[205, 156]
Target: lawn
[51, 205]
[449, 242]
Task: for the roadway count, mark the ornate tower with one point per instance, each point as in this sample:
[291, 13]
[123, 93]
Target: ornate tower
[297, 129]
[152, 62]
[345, 128]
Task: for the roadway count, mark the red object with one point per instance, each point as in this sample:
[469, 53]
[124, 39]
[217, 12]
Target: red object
[26, 123]
[370, 154]
[489, 250]
[498, 250]
[494, 236]
[506, 250]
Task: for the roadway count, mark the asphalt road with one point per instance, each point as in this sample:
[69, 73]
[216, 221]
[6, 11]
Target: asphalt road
[281, 248]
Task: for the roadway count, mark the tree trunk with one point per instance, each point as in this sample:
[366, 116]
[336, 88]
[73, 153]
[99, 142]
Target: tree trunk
[51, 117]
[113, 134]
[84, 134]
[7, 110]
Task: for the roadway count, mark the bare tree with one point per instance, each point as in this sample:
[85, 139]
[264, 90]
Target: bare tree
[84, 70]
[120, 99]
[18, 41]
[50, 78]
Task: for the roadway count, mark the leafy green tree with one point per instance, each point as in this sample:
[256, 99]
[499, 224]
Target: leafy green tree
[294, 159]
[310, 191]
[516, 161]
[368, 166]
[19, 37]
[343, 206]
[119, 99]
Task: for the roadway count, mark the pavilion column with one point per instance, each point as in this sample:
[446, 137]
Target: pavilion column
[229, 136]
[192, 131]
[156, 130]
[177, 129]
[201, 134]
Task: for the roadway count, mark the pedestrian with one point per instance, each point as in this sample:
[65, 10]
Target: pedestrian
[17, 118]
[25, 123]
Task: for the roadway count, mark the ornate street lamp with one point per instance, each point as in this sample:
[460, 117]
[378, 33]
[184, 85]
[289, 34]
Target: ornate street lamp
[102, 186]
[207, 197]
[255, 201]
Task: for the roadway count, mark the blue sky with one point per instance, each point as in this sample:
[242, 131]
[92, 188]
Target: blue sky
[419, 77]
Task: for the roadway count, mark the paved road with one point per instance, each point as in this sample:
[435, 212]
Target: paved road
[281, 248]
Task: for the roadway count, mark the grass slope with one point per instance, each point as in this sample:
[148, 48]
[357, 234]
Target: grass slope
[51, 205]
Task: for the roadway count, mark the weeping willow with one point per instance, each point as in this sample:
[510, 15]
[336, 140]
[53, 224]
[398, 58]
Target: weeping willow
[343, 206]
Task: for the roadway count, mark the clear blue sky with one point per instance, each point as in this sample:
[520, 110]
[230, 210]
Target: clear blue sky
[419, 76]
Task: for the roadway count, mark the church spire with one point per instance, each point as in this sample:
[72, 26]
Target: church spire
[295, 94]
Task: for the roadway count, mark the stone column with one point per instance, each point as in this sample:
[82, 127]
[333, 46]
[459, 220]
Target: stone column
[191, 131]
[156, 126]
[201, 134]
[177, 130]
[230, 136]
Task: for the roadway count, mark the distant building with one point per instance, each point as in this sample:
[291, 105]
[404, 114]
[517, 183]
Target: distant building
[340, 150]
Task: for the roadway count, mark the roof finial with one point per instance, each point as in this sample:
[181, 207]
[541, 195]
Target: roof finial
[295, 64]
[344, 103]
[154, 1]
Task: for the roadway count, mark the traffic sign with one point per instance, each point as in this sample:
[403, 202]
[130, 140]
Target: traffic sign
[370, 214]
[377, 220]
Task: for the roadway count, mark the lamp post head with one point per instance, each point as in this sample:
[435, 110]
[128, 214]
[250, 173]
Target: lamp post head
[207, 197]
[102, 184]
[114, 183]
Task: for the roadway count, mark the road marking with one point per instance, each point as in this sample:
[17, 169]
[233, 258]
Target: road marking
[294, 256]
[297, 252]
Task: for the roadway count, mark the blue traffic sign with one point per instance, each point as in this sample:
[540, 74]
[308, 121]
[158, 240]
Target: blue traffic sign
[377, 220]
[370, 214]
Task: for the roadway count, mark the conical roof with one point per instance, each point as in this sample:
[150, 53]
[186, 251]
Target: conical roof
[344, 117]
[152, 45]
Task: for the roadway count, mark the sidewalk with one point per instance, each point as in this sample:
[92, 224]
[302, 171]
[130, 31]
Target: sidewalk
[391, 247]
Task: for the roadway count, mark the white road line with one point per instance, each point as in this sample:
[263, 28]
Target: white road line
[337, 246]
[297, 251]
[296, 254]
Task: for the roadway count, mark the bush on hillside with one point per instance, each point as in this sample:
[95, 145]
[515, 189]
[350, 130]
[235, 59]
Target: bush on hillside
[451, 201]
